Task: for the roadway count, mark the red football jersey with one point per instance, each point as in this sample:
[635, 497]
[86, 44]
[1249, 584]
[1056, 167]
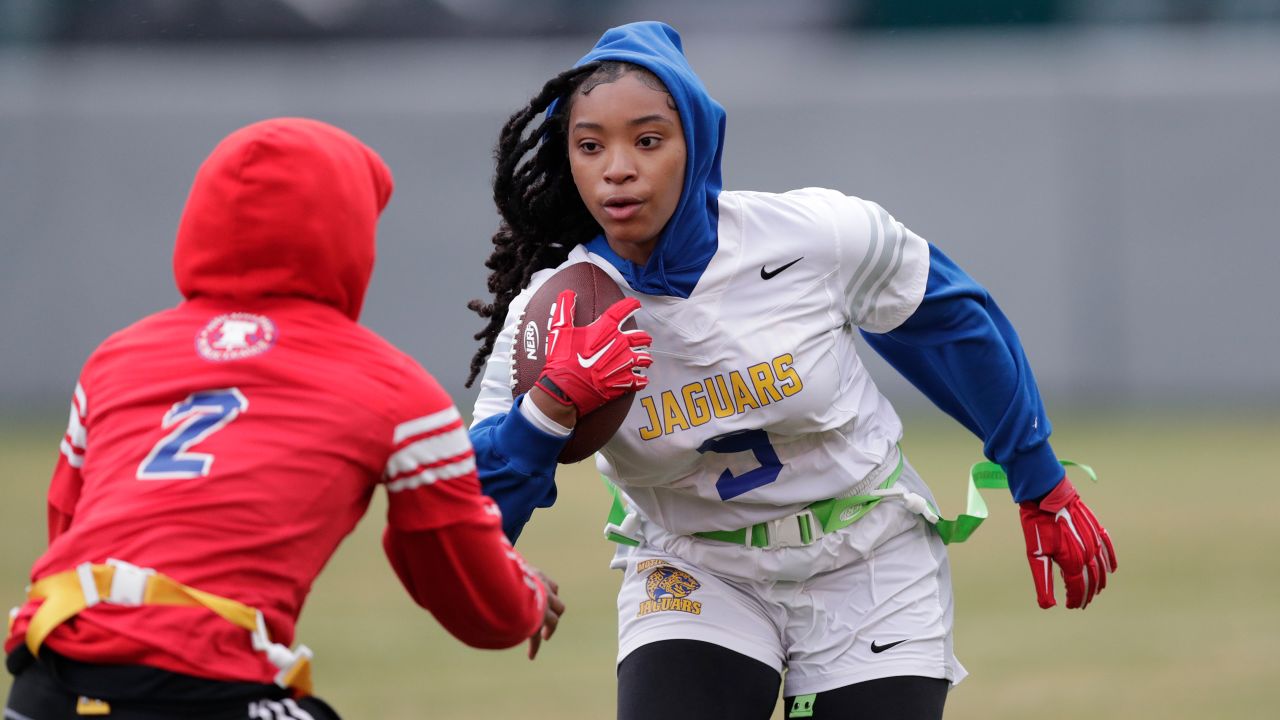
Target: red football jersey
[233, 441]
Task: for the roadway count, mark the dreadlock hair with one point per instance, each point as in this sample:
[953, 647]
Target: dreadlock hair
[543, 216]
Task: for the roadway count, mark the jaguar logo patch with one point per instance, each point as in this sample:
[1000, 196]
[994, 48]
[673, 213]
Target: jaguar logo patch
[668, 589]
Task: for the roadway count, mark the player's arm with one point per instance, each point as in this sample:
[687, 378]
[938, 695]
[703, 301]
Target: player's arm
[960, 350]
[516, 446]
[473, 582]
[945, 334]
[516, 454]
[64, 487]
[517, 450]
[444, 537]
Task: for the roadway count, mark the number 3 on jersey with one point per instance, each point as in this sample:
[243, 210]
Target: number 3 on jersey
[199, 416]
[757, 442]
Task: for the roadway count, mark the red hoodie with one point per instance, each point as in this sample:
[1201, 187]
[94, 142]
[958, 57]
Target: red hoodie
[233, 441]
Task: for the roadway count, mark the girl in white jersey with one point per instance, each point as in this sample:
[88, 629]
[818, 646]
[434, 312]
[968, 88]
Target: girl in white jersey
[767, 519]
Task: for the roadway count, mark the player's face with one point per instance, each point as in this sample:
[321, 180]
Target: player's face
[627, 153]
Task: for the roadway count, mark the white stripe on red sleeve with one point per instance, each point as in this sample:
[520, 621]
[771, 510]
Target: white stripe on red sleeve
[76, 439]
[427, 423]
[426, 476]
[428, 449]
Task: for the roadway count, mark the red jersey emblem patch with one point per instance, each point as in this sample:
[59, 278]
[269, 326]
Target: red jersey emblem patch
[235, 336]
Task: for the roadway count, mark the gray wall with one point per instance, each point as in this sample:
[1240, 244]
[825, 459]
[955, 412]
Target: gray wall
[1117, 191]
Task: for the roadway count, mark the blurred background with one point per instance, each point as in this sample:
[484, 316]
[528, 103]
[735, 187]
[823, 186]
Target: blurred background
[1110, 169]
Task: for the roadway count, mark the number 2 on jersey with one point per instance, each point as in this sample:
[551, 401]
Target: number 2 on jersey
[199, 416]
[757, 441]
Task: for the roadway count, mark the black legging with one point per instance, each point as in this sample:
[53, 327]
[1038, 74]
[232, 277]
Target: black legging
[694, 679]
[51, 688]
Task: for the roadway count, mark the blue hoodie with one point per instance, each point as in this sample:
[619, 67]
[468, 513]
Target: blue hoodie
[958, 349]
[689, 239]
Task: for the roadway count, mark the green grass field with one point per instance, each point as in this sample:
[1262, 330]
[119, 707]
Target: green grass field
[1187, 629]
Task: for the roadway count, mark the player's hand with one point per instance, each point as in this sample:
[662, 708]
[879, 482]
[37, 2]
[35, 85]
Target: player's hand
[1061, 529]
[590, 365]
[551, 617]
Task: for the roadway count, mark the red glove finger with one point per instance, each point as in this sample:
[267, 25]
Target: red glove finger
[1097, 579]
[1071, 563]
[1039, 534]
[1105, 548]
[618, 312]
[1098, 574]
[637, 338]
[1105, 555]
[1079, 560]
[621, 311]
[566, 302]
[1098, 565]
[620, 369]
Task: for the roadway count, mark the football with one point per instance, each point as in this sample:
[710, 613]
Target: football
[596, 291]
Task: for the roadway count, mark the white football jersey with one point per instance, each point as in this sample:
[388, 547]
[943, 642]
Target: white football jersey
[757, 402]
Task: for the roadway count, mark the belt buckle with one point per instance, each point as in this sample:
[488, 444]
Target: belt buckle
[787, 531]
[128, 583]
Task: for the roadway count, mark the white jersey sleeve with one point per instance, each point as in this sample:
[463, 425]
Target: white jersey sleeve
[883, 266]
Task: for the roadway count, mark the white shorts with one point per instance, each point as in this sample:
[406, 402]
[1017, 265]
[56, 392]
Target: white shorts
[872, 600]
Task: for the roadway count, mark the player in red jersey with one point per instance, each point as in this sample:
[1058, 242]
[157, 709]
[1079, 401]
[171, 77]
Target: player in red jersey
[217, 453]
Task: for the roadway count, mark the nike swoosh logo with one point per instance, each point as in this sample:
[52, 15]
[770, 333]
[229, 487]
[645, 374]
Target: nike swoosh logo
[881, 648]
[588, 362]
[769, 274]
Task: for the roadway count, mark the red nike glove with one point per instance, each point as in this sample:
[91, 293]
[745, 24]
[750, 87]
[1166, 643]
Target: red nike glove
[590, 365]
[1061, 528]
